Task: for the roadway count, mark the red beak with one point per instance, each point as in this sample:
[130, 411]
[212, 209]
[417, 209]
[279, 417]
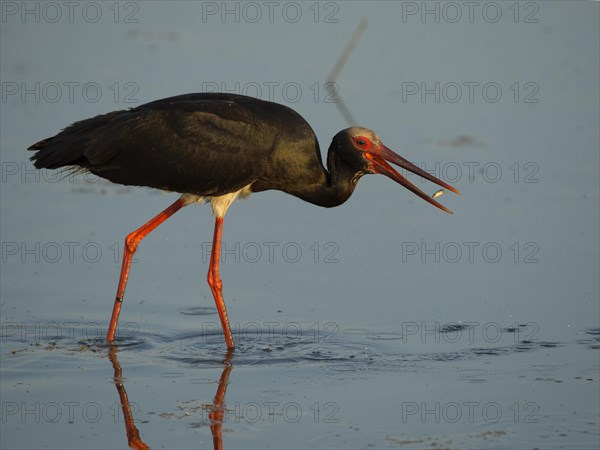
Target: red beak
[377, 162]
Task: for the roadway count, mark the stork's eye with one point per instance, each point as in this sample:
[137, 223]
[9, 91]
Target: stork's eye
[362, 142]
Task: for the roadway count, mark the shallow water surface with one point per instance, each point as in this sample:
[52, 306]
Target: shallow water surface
[383, 323]
[357, 387]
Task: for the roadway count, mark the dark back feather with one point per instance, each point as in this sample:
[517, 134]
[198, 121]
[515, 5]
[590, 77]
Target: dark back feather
[204, 144]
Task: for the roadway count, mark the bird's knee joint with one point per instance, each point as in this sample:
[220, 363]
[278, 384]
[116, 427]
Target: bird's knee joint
[131, 243]
[214, 281]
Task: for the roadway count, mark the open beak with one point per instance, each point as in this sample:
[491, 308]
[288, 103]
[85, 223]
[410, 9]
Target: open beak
[378, 158]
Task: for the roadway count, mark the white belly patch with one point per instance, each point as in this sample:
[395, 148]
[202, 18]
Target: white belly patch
[219, 204]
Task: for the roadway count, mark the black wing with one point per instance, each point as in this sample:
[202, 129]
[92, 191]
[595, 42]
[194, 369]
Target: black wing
[204, 144]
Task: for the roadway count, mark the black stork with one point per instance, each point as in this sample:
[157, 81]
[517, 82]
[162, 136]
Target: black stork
[215, 148]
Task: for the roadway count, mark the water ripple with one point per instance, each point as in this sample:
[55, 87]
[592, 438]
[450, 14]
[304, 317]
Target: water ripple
[352, 350]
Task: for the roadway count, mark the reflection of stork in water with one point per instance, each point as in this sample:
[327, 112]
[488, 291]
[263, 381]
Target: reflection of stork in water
[217, 407]
[133, 435]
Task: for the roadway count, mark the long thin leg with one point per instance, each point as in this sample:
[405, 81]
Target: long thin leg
[215, 283]
[131, 243]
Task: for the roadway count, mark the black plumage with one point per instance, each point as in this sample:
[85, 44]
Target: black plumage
[205, 144]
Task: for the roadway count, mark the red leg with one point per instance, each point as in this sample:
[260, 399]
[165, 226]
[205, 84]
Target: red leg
[215, 283]
[131, 243]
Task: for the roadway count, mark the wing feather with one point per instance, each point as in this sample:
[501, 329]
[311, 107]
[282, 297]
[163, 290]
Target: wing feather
[203, 145]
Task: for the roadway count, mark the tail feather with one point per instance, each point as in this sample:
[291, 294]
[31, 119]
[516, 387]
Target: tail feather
[67, 147]
[39, 145]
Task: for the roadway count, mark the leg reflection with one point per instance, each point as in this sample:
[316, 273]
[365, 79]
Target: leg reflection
[133, 435]
[217, 409]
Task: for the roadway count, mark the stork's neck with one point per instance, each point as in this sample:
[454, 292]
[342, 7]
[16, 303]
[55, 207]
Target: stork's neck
[335, 186]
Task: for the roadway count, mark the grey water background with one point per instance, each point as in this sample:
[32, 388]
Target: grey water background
[383, 323]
